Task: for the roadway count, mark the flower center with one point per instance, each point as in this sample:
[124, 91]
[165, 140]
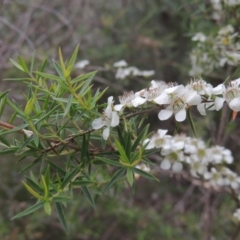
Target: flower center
[178, 104]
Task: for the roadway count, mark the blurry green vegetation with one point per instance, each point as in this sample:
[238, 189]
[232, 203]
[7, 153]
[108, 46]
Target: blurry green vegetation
[156, 211]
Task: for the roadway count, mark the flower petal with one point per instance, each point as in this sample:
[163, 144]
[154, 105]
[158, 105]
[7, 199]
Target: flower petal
[235, 104]
[115, 119]
[162, 99]
[165, 114]
[177, 167]
[105, 133]
[137, 101]
[218, 103]
[181, 115]
[165, 164]
[118, 107]
[201, 109]
[98, 123]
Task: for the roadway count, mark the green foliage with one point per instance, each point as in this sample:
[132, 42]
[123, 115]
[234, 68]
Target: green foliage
[56, 126]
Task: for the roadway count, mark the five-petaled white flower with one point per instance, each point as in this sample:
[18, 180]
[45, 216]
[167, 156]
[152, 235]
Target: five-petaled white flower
[109, 119]
[178, 99]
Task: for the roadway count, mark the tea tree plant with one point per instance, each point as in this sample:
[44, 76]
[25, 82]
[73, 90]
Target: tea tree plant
[78, 143]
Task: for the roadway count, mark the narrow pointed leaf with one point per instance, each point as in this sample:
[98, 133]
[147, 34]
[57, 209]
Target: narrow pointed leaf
[144, 174]
[130, 177]
[69, 177]
[87, 194]
[140, 138]
[118, 174]
[61, 215]
[29, 210]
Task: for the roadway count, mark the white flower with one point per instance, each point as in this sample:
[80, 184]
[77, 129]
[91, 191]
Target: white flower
[122, 73]
[120, 64]
[173, 154]
[159, 140]
[178, 99]
[129, 99]
[109, 119]
[125, 100]
[215, 178]
[81, 64]
[226, 30]
[148, 73]
[220, 154]
[236, 214]
[232, 95]
[232, 3]
[199, 37]
[231, 178]
[197, 168]
[28, 133]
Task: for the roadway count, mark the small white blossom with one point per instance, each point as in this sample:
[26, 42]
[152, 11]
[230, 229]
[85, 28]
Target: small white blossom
[178, 99]
[28, 133]
[109, 119]
[81, 64]
[231, 178]
[159, 140]
[199, 37]
[120, 64]
[215, 178]
[236, 214]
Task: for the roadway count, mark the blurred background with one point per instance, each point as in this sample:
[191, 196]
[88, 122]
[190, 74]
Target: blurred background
[150, 35]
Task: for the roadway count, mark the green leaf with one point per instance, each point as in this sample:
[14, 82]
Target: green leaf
[144, 174]
[191, 122]
[29, 106]
[42, 67]
[32, 62]
[140, 137]
[23, 65]
[118, 174]
[128, 145]
[33, 163]
[33, 192]
[16, 108]
[123, 156]
[130, 176]
[58, 69]
[82, 183]
[45, 188]
[50, 76]
[47, 208]
[67, 179]
[17, 65]
[57, 168]
[3, 100]
[16, 129]
[62, 64]
[61, 215]
[29, 140]
[34, 185]
[61, 199]
[29, 210]
[46, 115]
[86, 84]
[4, 140]
[120, 136]
[47, 176]
[83, 77]
[109, 161]
[68, 106]
[88, 195]
[73, 59]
